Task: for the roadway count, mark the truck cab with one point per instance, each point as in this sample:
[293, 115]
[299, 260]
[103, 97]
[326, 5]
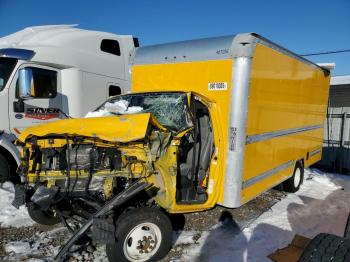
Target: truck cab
[53, 72]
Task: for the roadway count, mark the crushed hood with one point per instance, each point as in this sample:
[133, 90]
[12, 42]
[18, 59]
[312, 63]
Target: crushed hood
[123, 128]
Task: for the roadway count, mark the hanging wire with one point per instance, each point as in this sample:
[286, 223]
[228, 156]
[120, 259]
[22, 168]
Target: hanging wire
[327, 52]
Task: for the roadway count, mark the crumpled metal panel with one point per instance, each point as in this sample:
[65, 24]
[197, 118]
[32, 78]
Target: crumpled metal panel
[124, 128]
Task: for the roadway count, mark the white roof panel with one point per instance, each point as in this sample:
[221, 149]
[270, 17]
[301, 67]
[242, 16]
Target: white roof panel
[67, 46]
[340, 80]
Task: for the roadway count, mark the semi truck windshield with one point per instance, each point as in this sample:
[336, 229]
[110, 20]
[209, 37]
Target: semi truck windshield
[6, 67]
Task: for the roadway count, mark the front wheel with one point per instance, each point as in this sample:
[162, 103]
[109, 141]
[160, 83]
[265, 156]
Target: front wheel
[142, 234]
[41, 217]
[293, 184]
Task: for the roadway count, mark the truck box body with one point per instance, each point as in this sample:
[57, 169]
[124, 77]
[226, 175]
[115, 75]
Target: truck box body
[269, 106]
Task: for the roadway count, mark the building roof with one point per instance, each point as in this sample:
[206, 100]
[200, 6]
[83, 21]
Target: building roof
[340, 80]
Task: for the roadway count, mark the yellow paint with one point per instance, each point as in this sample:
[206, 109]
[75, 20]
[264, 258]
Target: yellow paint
[108, 187]
[194, 77]
[123, 128]
[281, 90]
[33, 90]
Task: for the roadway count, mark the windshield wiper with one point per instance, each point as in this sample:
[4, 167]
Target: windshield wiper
[63, 113]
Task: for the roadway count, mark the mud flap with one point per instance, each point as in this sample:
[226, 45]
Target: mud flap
[20, 196]
[119, 199]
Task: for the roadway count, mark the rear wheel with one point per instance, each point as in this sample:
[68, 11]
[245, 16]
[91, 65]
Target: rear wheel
[142, 234]
[293, 184]
[40, 216]
[325, 248]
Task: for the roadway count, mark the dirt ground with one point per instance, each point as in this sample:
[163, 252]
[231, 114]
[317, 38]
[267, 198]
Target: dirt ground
[201, 221]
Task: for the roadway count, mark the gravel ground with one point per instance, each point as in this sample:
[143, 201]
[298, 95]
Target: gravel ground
[8, 234]
[201, 221]
[243, 216]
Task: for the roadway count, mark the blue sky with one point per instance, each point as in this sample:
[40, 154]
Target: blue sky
[302, 26]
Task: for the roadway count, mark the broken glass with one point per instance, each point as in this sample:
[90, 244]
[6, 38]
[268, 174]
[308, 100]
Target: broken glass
[170, 109]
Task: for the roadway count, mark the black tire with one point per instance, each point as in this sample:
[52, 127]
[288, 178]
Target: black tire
[289, 185]
[347, 228]
[326, 248]
[132, 219]
[4, 169]
[42, 217]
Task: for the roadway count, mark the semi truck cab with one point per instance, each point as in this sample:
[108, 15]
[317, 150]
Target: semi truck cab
[52, 72]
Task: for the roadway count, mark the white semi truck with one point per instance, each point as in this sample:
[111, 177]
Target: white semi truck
[72, 71]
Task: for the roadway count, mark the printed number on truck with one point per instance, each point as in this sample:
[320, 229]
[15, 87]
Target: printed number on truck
[218, 86]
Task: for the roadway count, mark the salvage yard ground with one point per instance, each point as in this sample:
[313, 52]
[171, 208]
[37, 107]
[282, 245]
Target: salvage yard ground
[248, 233]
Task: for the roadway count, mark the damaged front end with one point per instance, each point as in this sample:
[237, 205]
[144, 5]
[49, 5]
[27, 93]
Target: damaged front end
[75, 172]
[134, 152]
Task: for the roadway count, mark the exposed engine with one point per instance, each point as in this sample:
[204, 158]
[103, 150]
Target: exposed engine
[77, 174]
[81, 157]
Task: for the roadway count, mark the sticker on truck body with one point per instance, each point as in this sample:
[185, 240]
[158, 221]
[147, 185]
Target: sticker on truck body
[18, 116]
[233, 138]
[42, 113]
[217, 86]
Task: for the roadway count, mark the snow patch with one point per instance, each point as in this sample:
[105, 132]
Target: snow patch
[100, 113]
[321, 205]
[118, 107]
[41, 246]
[9, 215]
[187, 237]
[18, 247]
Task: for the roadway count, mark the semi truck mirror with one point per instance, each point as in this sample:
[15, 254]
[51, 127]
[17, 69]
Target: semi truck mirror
[18, 106]
[26, 83]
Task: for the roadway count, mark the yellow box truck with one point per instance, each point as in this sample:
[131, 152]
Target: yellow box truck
[210, 121]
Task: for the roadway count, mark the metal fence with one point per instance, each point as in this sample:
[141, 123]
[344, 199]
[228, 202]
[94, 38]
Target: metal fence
[336, 145]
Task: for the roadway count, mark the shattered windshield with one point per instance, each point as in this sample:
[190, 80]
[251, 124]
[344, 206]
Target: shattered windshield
[170, 109]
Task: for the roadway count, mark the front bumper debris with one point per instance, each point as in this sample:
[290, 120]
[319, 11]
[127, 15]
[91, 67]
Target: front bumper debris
[118, 200]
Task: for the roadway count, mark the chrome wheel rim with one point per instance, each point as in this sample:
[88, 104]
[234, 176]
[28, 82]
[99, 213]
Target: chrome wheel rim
[142, 242]
[297, 177]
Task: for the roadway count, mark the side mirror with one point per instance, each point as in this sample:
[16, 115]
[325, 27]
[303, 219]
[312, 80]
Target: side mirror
[18, 106]
[26, 83]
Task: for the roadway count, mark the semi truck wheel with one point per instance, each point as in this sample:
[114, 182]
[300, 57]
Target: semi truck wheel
[142, 234]
[326, 247]
[292, 184]
[42, 217]
[4, 169]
